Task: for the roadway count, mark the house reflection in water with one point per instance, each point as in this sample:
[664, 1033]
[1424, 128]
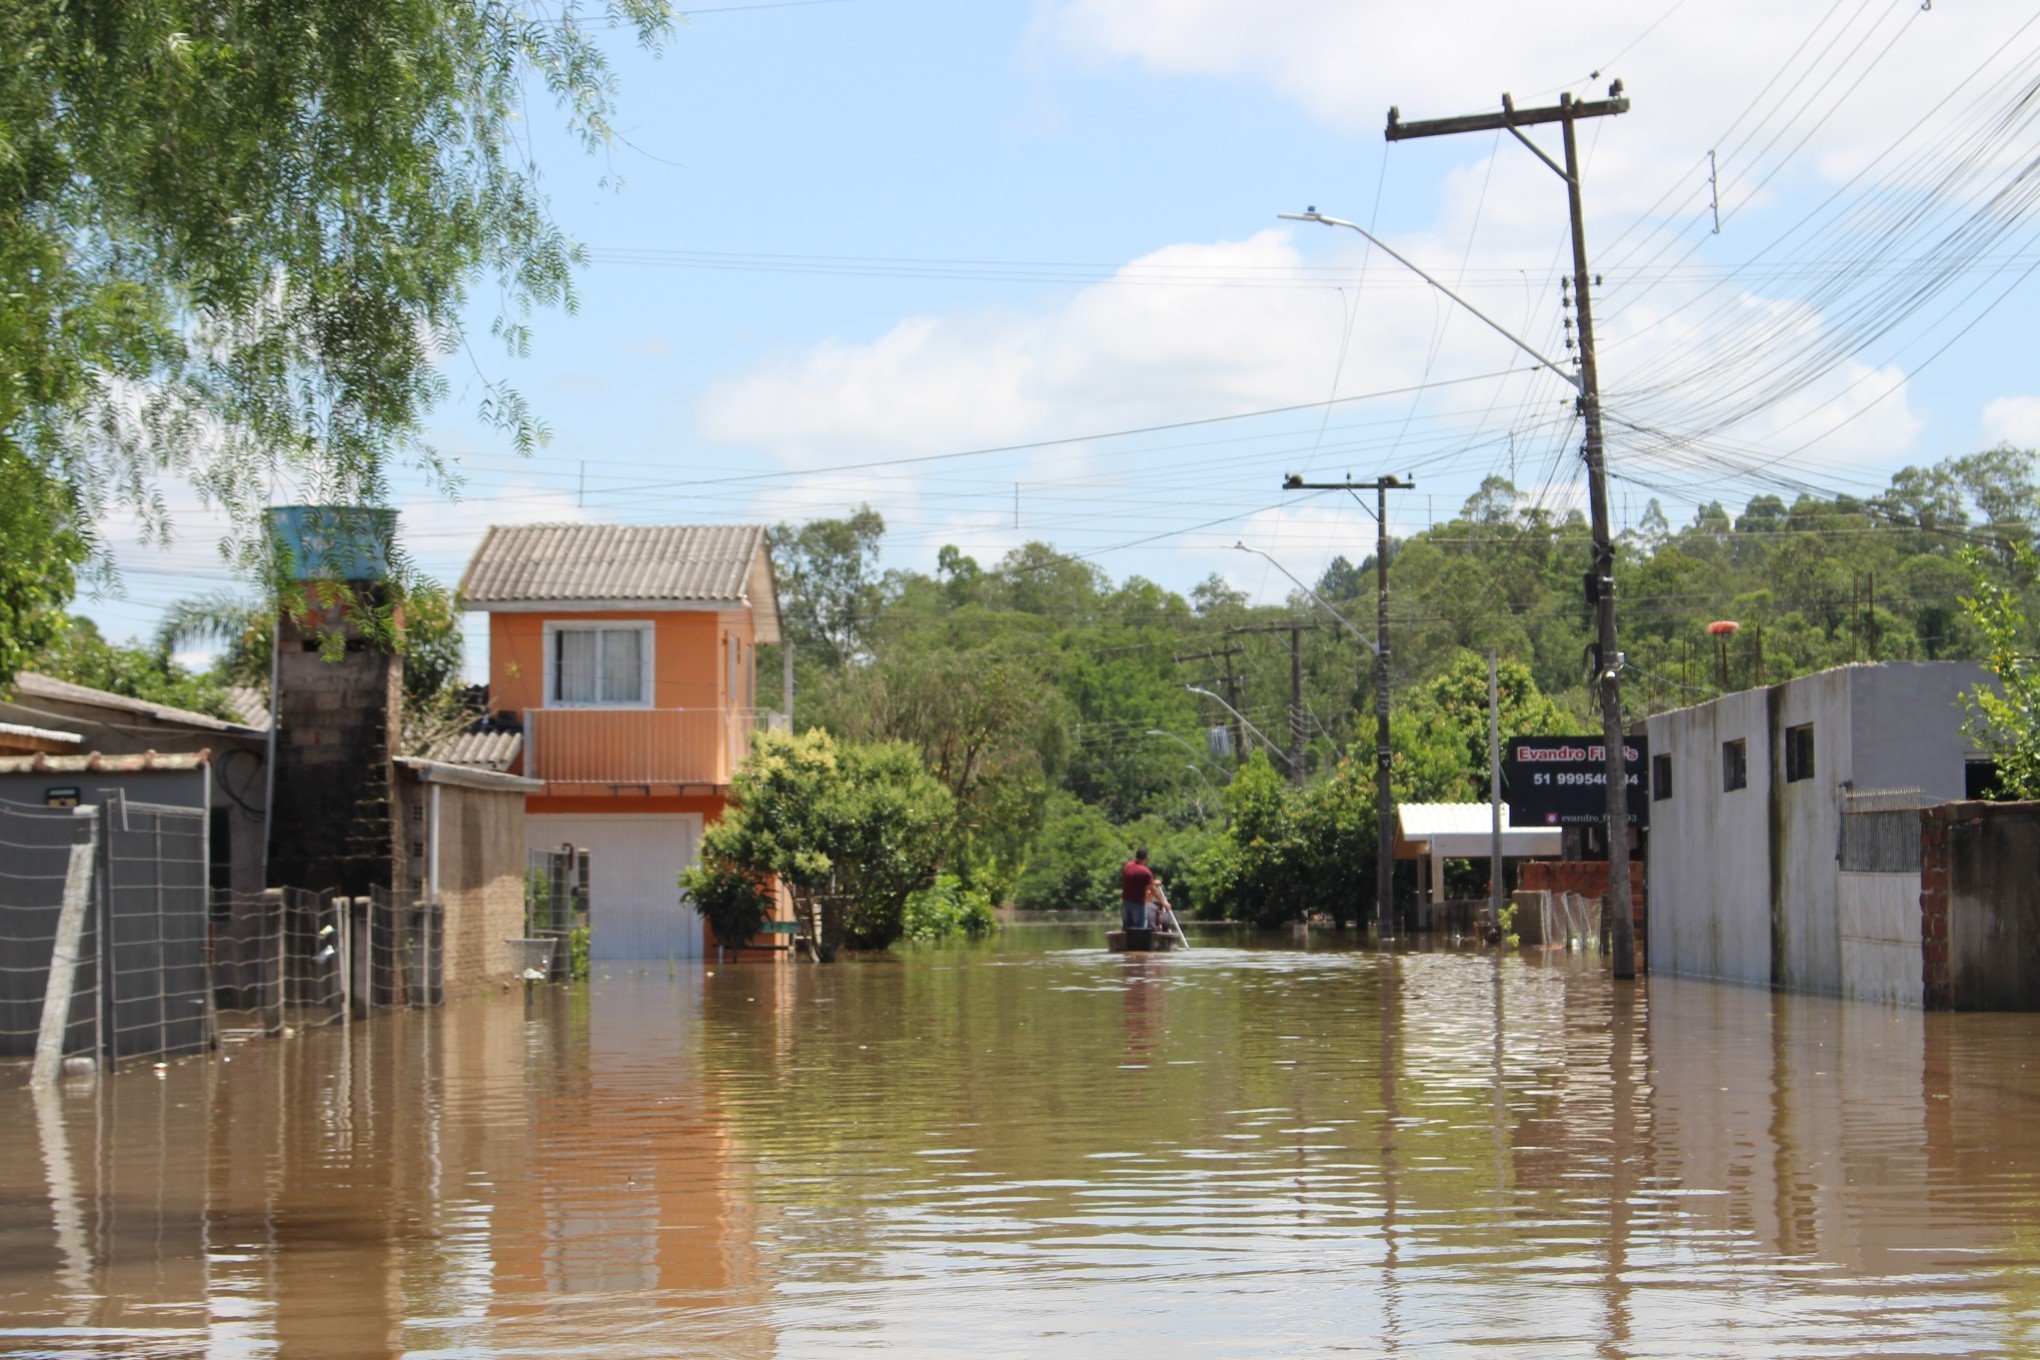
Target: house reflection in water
[939, 1150]
[493, 1177]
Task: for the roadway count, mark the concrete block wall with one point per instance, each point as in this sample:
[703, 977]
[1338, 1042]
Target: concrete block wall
[1980, 906]
[338, 823]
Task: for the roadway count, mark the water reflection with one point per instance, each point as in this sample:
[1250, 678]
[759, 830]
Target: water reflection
[1042, 1149]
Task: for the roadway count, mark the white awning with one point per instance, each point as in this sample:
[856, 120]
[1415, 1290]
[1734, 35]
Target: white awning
[1465, 831]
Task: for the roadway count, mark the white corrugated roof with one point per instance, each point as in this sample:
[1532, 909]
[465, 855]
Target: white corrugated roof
[29, 686]
[1461, 829]
[599, 566]
[251, 703]
[483, 750]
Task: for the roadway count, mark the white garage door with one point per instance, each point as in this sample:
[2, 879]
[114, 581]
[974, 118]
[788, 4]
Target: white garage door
[634, 864]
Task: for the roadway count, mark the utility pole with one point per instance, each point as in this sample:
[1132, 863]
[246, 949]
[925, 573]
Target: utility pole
[1296, 723]
[1232, 693]
[1494, 748]
[1296, 706]
[1608, 659]
[1384, 796]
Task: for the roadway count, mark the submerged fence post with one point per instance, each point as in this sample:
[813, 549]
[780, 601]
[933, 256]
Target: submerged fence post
[62, 983]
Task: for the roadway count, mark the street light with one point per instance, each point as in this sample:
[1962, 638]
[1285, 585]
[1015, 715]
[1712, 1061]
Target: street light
[1244, 722]
[1313, 215]
[1371, 645]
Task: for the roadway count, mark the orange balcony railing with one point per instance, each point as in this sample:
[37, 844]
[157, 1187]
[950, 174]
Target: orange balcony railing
[607, 747]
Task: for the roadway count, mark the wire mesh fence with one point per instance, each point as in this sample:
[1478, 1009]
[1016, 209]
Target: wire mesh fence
[42, 850]
[555, 900]
[406, 943]
[279, 961]
[154, 926]
[112, 946]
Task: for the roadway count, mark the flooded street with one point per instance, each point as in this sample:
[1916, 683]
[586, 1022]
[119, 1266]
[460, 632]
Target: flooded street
[1040, 1149]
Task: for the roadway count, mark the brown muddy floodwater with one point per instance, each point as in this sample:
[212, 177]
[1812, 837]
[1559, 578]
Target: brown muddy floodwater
[1039, 1149]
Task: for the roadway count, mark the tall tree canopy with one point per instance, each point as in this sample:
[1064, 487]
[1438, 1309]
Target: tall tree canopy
[240, 238]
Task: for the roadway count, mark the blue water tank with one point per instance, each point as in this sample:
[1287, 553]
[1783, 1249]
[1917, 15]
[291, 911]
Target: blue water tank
[334, 542]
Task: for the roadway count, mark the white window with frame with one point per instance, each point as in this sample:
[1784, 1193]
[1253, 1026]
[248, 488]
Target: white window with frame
[598, 665]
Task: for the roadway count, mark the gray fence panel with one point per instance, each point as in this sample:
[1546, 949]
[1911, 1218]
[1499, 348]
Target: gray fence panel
[35, 853]
[155, 903]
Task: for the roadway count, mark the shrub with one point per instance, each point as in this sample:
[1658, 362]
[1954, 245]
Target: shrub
[948, 908]
[1074, 863]
[733, 900]
[862, 822]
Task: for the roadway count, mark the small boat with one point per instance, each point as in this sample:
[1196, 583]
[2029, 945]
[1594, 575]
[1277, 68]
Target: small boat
[1139, 941]
[1167, 935]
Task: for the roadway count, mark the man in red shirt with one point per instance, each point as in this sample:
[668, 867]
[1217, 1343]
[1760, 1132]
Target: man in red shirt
[1136, 887]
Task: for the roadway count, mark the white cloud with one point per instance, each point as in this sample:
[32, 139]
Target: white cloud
[1690, 76]
[1114, 356]
[2012, 420]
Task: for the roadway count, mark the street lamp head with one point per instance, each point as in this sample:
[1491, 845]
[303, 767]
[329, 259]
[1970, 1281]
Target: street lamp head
[1292, 481]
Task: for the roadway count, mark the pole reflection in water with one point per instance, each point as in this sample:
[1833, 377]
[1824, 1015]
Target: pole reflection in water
[1036, 1148]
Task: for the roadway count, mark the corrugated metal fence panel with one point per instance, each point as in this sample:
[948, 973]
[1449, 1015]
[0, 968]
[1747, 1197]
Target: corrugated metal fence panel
[35, 853]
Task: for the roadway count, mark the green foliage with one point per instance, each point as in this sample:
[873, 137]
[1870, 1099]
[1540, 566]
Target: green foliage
[1440, 732]
[1505, 922]
[577, 953]
[982, 724]
[40, 550]
[1290, 853]
[1036, 686]
[2006, 720]
[238, 240]
[423, 624]
[947, 907]
[81, 655]
[1074, 862]
[826, 572]
[734, 900]
[863, 823]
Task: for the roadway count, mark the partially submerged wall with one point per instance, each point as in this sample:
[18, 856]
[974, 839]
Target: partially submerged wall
[1980, 906]
[480, 867]
[1748, 883]
[481, 881]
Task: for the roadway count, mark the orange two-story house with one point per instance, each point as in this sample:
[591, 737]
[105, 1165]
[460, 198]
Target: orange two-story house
[626, 654]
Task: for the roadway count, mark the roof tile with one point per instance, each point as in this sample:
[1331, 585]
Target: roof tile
[589, 563]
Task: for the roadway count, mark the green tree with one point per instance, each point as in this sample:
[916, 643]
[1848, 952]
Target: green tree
[1288, 853]
[861, 823]
[2006, 721]
[1074, 862]
[81, 654]
[829, 588]
[242, 239]
[40, 550]
[983, 725]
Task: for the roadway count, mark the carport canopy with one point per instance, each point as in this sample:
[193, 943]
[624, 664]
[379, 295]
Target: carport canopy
[1441, 831]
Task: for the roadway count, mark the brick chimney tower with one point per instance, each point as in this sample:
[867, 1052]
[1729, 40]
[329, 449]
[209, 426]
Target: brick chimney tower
[335, 818]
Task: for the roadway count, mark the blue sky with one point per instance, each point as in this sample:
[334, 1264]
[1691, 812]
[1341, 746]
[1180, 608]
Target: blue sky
[1004, 224]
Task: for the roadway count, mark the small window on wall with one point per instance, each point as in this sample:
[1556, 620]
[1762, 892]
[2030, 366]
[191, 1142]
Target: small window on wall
[599, 667]
[1735, 765]
[1660, 778]
[1798, 753]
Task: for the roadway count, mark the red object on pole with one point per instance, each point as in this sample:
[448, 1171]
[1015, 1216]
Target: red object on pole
[1723, 628]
